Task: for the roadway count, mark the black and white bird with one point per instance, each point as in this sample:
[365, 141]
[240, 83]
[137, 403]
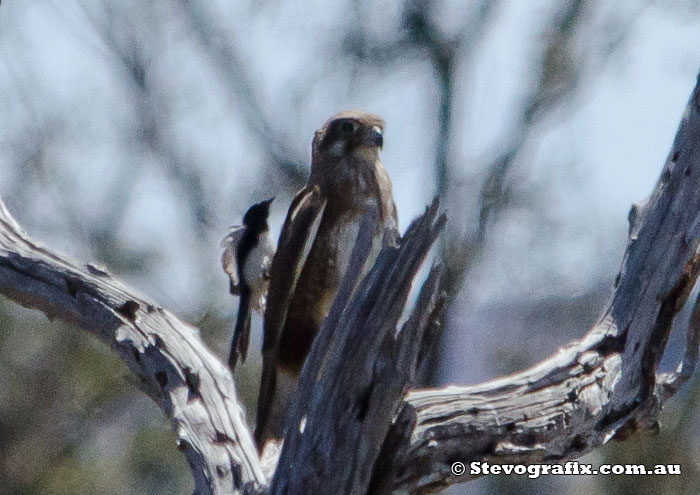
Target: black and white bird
[247, 256]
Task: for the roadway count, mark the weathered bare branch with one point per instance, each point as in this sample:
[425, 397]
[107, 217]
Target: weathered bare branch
[670, 383]
[171, 362]
[601, 387]
[357, 371]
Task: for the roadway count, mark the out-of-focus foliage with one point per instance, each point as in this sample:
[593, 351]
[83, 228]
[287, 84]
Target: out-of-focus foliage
[70, 419]
[133, 132]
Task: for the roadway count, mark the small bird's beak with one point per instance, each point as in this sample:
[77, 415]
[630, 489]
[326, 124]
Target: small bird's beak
[375, 137]
[266, 204]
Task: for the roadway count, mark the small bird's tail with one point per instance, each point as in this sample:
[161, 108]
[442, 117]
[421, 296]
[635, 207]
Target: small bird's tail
[241, 333]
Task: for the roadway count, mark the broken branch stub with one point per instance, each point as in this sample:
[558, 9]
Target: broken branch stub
[359, 368]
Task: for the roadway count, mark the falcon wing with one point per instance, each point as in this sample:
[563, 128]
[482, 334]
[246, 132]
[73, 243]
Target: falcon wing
[228, 258]
[295, 241]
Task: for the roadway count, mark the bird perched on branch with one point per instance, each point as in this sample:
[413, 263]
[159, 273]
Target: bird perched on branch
[246, 259]
[347, 178]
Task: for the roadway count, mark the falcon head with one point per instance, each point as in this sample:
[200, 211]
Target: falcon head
[352, 134]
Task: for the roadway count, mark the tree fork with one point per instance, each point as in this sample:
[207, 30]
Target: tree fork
[603, 386]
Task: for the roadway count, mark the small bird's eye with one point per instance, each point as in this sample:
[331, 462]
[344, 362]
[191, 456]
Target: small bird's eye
[347, 127]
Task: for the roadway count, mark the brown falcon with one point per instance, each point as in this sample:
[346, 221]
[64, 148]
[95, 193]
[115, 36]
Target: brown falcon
[347, 178]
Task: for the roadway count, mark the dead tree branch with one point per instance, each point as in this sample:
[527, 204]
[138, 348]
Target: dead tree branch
[604, 386]
[172, 364]
[345, 433]
[344, 407]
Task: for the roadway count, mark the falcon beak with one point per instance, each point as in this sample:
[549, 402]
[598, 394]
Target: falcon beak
[375, 137]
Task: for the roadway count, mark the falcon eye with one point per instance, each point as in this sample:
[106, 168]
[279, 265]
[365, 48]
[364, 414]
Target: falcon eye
[347, 127]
